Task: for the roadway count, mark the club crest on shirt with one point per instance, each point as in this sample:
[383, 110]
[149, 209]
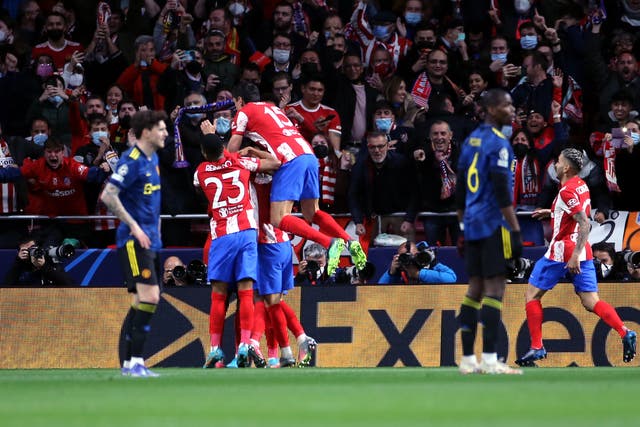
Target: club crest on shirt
[503, 158]
[223, 212]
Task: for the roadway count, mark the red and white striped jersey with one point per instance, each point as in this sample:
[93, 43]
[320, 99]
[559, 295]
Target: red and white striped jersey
[8, 191]
[308, 128]
[267, 233]
[227, 187]
[268, 126]
[572, 198]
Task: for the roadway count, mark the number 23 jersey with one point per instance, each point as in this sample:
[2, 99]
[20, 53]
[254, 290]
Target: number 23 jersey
[226, 183]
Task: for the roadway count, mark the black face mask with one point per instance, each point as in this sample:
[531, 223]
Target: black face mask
[309, 68]
[335, 55]
[520, 150]
[125, 122]
[321, 151]
[55, 34]
[425, 45]
[193, 67]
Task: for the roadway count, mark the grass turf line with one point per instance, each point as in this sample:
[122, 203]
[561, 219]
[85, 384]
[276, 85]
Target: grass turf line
[320, 397]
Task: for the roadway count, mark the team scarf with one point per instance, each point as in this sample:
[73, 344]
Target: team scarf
[327, 180]
[447, 177]
[180, 161]
[527, 181]
[610, 166]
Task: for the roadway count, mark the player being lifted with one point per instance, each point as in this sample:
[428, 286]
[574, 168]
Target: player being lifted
[233, 254]
[296, 180]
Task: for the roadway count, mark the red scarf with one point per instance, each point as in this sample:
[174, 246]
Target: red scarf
[527, 182]
[327, 181]
[610, 166]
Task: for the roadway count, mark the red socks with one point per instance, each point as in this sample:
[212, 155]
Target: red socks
[329, 226]
[292, 320]
[216, 317]
[610, 317]
[245, 307]
[534, 321]
[300, 227]
[259, 313]
[279, 323]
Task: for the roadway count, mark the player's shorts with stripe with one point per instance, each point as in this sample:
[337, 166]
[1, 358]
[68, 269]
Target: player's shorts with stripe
[275, 272]
[487, 257]
[547, 273]
[296, 180]
[139, 265]
[234, 257]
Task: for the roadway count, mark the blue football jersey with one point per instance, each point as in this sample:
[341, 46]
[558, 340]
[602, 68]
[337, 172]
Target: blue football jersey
[138, 178]
[485, 151]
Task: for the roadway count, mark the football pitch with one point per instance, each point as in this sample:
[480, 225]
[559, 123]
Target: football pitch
[320, 397]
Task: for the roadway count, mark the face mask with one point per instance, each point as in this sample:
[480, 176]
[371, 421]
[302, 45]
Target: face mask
[635, 137]
[327, 34]
[461, 37]
[381, 69]
[44, 70]
[412, 18]
[321, 151]
[381, 32]
[223, 125]
[384, 124]
[425, 45]
[193, 67]
[194, 116]
[3, 36]
[236, 9]
[522, 6]
[95, 136]
[55, 34]
[507, 131]
[529, 42]
[309, 68]
[499, 57]
[144, 63]
[520, 150]
[57, 99]
[335, 55]
[125, 122]
[281, 56]
[75, 80]
[606, 269]
[40, 139]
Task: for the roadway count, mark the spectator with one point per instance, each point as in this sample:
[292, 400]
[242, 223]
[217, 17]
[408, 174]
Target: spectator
[30, 22]
[114, 95]
[626, 171]
[281, 24]
[171, 36]
[404, 108]
[281, 51]
[334, 176]
[380, 68]
[183, 77]
[312, 268]
[33, 267]
[219, 68]
[282, 88]
[452, 42]
[547, 140]
[528, 172]
[536, 90]
[140, 79]
[417, 263]
[437, 164]
[52, 105]
[168, 276]
[56, 46]
[400, 138]
[381, 184]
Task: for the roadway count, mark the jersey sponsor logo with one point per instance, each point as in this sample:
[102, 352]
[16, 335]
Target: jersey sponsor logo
[150, 188]
[62, 193]
[503, 158]
[475, 142]
[582, 189]
[573, 202]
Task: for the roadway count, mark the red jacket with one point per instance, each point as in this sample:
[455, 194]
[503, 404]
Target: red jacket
[131, 81]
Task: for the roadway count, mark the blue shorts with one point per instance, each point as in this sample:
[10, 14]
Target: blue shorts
[546, 274]
[275, 275]
[234, 257]
[296, 180]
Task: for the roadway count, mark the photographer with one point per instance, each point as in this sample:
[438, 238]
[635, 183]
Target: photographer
[175, 273]
[612, 266]
[417, 263]
[312, 270]
[37, 266]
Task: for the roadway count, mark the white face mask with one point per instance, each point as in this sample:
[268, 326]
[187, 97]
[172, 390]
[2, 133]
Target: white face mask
[3, 36]
[281, 56]
[236, 8]
[75, 80]
[522, 6]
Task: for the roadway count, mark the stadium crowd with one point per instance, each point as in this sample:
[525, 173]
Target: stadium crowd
[386, 92]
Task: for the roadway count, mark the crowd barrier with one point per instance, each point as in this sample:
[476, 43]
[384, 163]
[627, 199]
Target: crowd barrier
[363, 326]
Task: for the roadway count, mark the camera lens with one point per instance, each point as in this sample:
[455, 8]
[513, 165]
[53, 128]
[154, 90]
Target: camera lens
[179, 271]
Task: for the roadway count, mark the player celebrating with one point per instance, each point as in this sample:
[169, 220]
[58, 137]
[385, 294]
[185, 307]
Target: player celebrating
[297, 179]
[570, 251]
[233, 254]
[484, 202]
[133, 195]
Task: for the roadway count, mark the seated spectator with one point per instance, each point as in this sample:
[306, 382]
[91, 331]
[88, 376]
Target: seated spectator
[417, 263]
[382, 184]
[34, 267]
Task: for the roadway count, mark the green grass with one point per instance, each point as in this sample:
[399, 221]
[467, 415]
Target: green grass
[320, 397]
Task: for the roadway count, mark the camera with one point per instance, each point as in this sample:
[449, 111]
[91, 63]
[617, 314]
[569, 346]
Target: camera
[632, 258]
[195, 271]
[519, 269]
[56, 253]
[189, 55]
[425, 257]
[313, 271]
[36, 252]
[353, 275]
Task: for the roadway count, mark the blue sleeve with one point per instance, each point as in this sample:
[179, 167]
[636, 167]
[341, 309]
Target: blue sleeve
[96, 174]
[10, 174]
[388, 278]
[440, 273]
[125, 174]
[499, 156]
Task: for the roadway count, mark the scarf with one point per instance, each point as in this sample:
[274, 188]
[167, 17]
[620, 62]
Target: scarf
[327, 181]
[610, 166]
[447, 177]
[527, 182]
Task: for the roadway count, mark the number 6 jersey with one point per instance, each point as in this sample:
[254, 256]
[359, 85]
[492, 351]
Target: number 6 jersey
[226, 183]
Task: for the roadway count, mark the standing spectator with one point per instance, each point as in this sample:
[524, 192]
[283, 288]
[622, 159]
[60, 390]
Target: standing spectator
[569, 250]
[140, 79]
[281, 54]
[133, 195]
[52, 104]
[104, 60]
[528, 174]
[381, 185]
[57, 46]
[485, 210]
[219, 68]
